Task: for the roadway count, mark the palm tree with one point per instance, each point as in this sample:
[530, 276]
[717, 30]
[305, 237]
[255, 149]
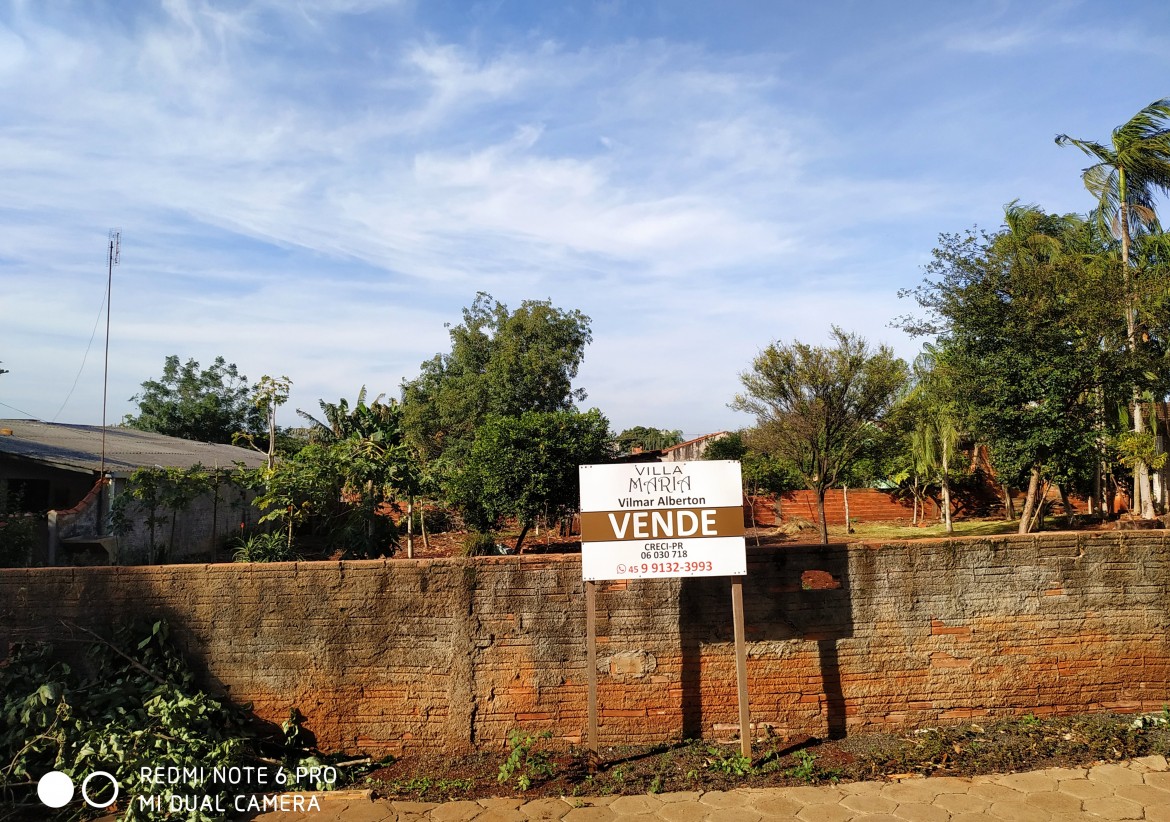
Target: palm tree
[935, 438]
[340, 422]
[1125, 179]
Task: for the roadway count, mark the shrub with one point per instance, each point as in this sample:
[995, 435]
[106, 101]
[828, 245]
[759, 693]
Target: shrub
[270, 547]
[18, 533]
[477, 544]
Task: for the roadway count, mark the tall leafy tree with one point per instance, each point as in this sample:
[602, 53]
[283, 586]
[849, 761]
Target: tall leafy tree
[1028, 340]
[1126, 177]
[647, 439]
[502, 363]
[206, 404]
[525, 467]
[268, 395]
[815, 406]
[343, 479]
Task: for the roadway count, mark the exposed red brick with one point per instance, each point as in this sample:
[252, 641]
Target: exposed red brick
[385, 656]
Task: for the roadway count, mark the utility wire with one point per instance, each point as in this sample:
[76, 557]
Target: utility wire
[96, 321]
[28, 414]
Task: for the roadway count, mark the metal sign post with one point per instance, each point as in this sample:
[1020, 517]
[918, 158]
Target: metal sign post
[745, 740]
[664, 520]
[591, 659]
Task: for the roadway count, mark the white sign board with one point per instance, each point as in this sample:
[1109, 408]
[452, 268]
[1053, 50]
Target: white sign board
[662, 519]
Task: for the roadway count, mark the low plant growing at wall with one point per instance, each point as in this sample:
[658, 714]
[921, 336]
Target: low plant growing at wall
[476, 544]
[527, 764]
[728, 763]
[805, 767]
[261, 547]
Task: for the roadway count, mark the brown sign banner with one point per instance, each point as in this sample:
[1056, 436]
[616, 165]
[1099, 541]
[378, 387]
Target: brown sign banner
[666, 523]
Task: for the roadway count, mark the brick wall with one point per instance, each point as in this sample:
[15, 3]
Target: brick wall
[383, 656]
[865, 505]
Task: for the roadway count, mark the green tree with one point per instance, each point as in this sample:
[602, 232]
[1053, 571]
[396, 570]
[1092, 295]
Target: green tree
[1028, 341]
[525, 467]
[1125, 179]
[502, 363]
[162, 495]
[304, 488]
[341, 422]
[762, 473]
[342, 481]
[268, 395]
[378, 429]
[647, 439]
[934, 439]
[208, 405]
[815, 406]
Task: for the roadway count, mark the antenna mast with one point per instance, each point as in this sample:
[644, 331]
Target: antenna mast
[112, 259]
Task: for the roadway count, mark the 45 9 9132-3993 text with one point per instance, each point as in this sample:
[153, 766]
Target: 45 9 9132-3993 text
[669, 567]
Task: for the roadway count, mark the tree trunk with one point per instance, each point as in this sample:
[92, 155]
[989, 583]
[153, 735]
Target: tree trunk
[946, 490]
[422, 524]
[1009, 505]
[1030, 502]
[1064, 501]
[821, 511]
[845, 498]
[1142, 497]
[1096, 504]
[523, 533]
[214, 510]
[914, 491]
[271, 436]
[410, 526]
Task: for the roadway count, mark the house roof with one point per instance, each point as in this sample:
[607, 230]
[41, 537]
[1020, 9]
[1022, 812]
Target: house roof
[79, 447]
[682, 445]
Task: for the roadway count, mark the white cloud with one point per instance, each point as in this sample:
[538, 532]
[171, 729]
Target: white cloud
[313, 188]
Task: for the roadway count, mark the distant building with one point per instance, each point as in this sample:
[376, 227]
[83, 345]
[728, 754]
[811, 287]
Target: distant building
[691, 449]
[55, 470]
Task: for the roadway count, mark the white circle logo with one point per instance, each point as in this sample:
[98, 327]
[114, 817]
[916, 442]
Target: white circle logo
[55, 789]
[85, 785]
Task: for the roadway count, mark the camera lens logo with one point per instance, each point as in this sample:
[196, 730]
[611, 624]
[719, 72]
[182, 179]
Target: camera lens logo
[56, 789]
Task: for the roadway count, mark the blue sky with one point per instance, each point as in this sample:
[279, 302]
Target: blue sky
[314, 187]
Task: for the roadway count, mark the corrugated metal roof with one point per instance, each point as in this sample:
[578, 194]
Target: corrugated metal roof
[79, 447]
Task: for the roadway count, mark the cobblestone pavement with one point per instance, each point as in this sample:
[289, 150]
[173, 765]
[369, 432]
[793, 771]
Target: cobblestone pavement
[1137, 789]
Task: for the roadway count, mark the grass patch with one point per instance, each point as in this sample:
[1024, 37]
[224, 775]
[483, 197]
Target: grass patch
[897, 531]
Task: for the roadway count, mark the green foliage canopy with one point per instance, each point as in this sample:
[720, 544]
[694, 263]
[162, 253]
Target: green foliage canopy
[762, 472]
[525, 467]
[502, 363]
[816, 406]
[648, 439]
[209, 405]
[1027, 334]
[355, 463]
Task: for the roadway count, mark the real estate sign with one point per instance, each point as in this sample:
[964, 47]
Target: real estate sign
[662, 519]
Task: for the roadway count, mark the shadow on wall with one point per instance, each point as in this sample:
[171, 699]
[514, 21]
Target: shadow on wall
[795, 594]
